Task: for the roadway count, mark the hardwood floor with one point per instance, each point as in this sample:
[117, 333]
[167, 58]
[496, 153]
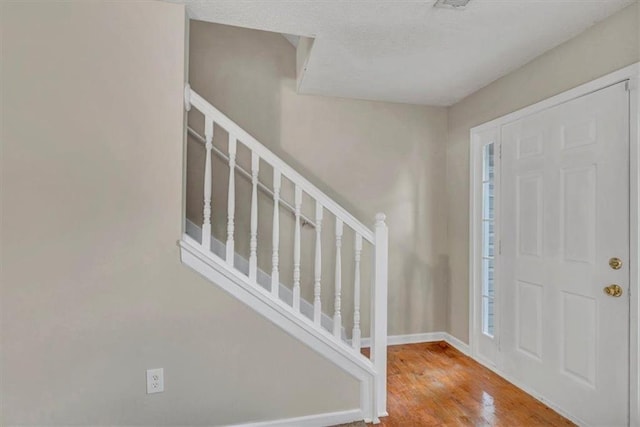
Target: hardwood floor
[433, 384]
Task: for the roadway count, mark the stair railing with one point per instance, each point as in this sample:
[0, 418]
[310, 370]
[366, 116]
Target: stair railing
[378, 237]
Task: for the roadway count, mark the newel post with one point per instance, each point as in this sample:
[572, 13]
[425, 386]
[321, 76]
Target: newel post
[379, 314]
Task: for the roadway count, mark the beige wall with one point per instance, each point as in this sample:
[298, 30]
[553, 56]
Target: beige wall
[92, 290]
[608, 46]
[369, 156]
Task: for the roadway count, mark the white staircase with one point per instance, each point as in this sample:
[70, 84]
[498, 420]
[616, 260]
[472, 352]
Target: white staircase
[264, 291]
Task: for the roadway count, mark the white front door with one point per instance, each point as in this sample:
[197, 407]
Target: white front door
[564, 216]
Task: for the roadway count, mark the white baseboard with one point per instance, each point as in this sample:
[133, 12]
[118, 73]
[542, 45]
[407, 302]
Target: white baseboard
[422, 338]
[319, 420]
[415, 338]
[454, 342]
[408, 339]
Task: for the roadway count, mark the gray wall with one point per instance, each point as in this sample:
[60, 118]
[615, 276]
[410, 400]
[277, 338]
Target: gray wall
[608, 46]
[92, 290]
[369, 156]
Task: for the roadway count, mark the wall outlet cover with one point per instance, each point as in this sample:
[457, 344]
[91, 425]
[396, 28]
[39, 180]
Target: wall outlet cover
[155, 380]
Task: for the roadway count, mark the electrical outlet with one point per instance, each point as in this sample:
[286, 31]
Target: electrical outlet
[155, 380]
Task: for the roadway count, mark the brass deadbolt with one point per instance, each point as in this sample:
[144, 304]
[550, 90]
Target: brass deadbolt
[615, 263]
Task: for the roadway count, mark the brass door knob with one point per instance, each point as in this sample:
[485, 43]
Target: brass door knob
[613, 290]
[615, 263]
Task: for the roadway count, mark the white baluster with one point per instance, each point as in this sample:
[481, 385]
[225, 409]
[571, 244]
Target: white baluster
[206, 222]
[379, 312]
[296, 250]
[231, 199]
[337, 316]
[355, 336]
[253, 243]
[317, 303]
[275, 274]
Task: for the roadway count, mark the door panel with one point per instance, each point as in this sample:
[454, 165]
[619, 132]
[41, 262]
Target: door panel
[564, 213]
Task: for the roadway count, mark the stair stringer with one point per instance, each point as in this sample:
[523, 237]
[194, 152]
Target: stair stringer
[295, 324]
[264, 279]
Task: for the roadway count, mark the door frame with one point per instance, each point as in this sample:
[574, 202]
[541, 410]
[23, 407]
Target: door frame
[478, 135]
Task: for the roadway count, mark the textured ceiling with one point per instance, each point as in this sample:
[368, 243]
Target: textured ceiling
[409, 51]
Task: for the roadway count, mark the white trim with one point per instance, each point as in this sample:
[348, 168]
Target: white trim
[295, 324]
[454, 342]
[631, 73]
[264, 279]
[478, 141]
[408, 339]
[634, 249]
[416, 338]
[424, 338]
[318, 420]
[621, 75]
[378, 309]
[213, 268]
[265, 154]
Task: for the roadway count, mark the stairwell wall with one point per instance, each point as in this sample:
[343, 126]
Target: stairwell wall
[369, 156]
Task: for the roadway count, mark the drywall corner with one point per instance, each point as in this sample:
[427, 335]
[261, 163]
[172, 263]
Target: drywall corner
[303, 53]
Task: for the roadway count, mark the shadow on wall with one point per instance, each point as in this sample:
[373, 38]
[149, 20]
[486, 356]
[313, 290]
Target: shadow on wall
[248, 92]
[425, 282]
[424, 291]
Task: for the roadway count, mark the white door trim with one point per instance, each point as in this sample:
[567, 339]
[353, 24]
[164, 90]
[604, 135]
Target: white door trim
[632, 74]
[478, 141]
[634, 231]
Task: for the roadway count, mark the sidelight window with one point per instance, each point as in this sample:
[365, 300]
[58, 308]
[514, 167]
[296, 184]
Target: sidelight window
[488, 239]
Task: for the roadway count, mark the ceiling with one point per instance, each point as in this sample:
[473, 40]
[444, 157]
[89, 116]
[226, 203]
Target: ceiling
[409, 51]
